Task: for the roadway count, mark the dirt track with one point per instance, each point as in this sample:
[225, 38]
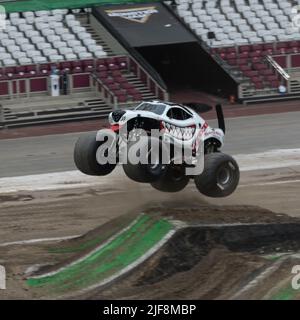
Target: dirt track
[33, 215]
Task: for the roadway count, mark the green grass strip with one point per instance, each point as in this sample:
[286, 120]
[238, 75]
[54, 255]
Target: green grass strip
[287, 293]
[35, 5]
[112, 258]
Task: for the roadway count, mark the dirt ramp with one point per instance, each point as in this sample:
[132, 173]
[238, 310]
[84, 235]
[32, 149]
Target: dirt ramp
[165, 252]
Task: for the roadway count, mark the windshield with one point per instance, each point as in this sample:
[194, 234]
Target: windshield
[155, 108]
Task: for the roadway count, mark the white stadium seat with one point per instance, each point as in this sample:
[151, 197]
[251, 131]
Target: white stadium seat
[45, 36]
[256, 21]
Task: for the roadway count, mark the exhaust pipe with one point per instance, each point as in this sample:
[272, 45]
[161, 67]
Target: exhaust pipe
[220, 115]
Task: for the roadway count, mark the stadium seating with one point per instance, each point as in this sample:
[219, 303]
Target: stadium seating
[240, 22]
[34, 43]
[243, 33]
[250, 60]
[45, 36]
[110, 73]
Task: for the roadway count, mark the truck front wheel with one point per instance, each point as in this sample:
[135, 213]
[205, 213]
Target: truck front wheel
[220, 177]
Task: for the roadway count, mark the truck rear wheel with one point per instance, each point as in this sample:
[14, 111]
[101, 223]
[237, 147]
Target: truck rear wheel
[173, 179]
[85, 156]
[144, 172]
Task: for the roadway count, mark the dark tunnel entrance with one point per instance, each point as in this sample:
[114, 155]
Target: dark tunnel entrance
[187, 66]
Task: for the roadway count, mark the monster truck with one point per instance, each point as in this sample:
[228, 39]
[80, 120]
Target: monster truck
[179, 125]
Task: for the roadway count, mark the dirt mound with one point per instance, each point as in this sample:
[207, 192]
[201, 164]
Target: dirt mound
[192, 215]
[209, 252]
[214, 256]
[219, 274]
[212, 262]
[206, 214]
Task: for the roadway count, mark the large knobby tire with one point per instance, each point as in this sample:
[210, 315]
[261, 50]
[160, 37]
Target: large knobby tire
[139, 172]
[85, 156]
[220, 177]
[173, 180]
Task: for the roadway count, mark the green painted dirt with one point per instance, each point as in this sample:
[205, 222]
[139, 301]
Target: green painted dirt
[110, 259]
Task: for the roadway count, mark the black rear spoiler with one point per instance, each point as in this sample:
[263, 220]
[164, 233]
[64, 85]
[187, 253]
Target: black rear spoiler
[220, 115]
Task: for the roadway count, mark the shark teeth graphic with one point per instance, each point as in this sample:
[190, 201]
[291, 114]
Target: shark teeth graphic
[182, 133]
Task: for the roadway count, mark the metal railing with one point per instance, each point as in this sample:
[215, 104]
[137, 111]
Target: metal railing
[147, 79]
[278, 68]
[104, 91]
[134, 54]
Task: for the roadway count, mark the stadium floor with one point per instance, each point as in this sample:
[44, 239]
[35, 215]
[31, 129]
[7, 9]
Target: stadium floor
[230, 111]
[39, 209]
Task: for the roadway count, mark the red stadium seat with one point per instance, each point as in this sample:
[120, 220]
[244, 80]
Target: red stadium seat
[126, 85]
[113, 66]
[267, 72]
[255, 54]
[245, 49]
[232, 62]
[293, 44]
[258, 85]
[242, 61]
[102, 74]
[88, 65]
[77, 67]
[133, 91]
[244, 55]
[20, 69]
[67, 66]
[245, 68]
[223, 55]
[10, 72]
[122, 62]
[112, 86]
[272, 78]
[251, 73]
[268, 49]
[256, 79]
[108, 81]
[259, 66]
[120, 79]
[101, 67]
[230, 56]
[231, 50]
[122, 98]
[137, 97]
[116, 73]
[275, 84]
[256, 60]
[282, 45]
[257, 47]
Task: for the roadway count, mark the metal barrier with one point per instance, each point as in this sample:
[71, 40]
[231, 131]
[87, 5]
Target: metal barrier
[104, 92]
[280, 71]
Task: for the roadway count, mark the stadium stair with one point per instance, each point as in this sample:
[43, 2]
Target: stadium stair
[88, 109]
[99, 40]
[140, 86]
[98, 105]
[245, 33]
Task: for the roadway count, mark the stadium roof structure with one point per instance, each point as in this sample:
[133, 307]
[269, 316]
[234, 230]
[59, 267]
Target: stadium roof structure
[36, 5]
